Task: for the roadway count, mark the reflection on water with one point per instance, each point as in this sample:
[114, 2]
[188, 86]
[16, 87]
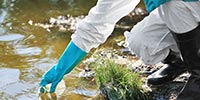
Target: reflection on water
[11, 37]
[8, 78]
[3, 15]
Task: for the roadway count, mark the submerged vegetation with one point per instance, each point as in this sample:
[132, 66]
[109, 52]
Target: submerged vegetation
[116, 82]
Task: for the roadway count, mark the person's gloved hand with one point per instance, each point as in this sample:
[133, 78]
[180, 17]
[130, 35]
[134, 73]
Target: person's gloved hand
[69, 59]
[153, 4]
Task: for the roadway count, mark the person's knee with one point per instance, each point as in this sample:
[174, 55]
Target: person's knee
[178, 16]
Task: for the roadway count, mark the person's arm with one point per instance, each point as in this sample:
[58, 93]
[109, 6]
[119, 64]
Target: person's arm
[100, 22]
[90, 33]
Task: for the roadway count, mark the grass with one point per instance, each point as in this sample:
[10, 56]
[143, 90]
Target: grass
[117, 82]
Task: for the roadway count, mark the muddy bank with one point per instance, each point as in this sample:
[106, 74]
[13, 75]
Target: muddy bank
[167, 91]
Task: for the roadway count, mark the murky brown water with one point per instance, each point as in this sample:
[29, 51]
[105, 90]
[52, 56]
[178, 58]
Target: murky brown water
[27, 51]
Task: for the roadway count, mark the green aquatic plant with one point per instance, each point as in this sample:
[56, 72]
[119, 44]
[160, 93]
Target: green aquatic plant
[117, 82]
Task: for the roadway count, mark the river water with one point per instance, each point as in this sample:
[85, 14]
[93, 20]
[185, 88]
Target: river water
[27, 50]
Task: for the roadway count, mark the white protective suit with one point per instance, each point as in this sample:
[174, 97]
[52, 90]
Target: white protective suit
[150, 39]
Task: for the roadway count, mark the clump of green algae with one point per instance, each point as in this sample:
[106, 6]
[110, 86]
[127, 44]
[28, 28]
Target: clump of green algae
[117, 82]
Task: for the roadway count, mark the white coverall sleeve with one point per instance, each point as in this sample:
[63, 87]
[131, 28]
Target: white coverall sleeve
[99, 24]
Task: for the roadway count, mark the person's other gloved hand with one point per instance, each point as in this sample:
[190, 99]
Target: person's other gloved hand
[69, 59]
[152, 4]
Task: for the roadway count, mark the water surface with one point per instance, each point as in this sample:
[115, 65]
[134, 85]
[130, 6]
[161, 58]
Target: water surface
[27, 51]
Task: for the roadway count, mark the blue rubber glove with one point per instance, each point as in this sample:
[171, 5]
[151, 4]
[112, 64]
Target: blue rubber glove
[153, 4]
[69, 59]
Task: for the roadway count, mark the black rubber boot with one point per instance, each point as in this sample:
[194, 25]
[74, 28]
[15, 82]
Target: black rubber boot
[189, 45]
[173, 67]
